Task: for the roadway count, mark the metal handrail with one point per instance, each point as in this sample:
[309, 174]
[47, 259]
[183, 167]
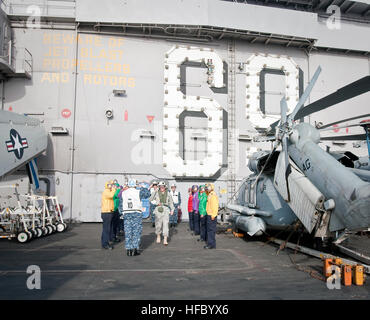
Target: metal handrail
[23, 56]
[28, 61]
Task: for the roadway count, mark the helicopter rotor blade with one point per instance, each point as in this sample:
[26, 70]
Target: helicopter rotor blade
[284, 140]
[353, 137]
[339, 127]
[286, 164]
[283, 110]
[344, 120]
[345, 93]
[283, 161]
[305, 95]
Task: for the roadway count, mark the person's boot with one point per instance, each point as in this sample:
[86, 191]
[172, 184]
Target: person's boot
[158, 238]
[153, 224]
[129, 252]
[136, 252]
[165, 241]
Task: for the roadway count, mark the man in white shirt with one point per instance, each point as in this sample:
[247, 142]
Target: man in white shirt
[176, 197]
[132, 214]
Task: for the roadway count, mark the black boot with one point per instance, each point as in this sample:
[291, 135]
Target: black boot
[136, 252]
[129, 252]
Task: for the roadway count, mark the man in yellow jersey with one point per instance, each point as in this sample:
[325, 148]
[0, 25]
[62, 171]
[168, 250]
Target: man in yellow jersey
[212, 212]
[107, 209]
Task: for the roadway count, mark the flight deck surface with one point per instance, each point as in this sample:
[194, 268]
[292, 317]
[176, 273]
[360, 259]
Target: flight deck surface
[73, 266]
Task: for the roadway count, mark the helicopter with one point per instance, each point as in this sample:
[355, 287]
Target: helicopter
[327, 193]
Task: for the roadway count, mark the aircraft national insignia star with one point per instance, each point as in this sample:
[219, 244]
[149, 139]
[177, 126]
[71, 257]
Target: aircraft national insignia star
[16, 144]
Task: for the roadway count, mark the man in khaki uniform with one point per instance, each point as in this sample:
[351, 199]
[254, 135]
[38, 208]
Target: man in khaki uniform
[164, 208]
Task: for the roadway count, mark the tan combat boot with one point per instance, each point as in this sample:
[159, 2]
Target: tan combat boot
[165, 241]
[158, 238]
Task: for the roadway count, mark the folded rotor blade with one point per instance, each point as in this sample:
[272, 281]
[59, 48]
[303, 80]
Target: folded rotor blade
[283, 170]
[286, 158]
[349, 91]
[283, 110]
[305, 95]
[339, 127]
[344, 120]
[348, 137]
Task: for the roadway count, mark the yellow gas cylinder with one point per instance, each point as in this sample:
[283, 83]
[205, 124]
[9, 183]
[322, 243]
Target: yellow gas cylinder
[347, 275]
[358, 275]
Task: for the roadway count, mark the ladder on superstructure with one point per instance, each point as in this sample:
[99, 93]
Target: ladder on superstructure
[231, 176]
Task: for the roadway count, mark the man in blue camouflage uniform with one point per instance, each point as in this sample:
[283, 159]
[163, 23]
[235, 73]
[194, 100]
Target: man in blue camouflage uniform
[132, 210]
[144, 194]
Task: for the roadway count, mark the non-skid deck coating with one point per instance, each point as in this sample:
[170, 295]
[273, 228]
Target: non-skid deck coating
[73, 266]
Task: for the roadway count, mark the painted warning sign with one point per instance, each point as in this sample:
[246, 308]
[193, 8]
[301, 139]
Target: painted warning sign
[66, 113]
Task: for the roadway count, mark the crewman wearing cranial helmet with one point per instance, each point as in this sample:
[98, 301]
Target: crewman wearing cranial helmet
[176, 197]
[116, 218]
[203, 213]
[107, 209]
[196, 216]
[132, 213]
[212, 212]
[164, 208]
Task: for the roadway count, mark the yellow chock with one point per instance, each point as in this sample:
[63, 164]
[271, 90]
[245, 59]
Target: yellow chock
[358, 275]
[238, 235]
